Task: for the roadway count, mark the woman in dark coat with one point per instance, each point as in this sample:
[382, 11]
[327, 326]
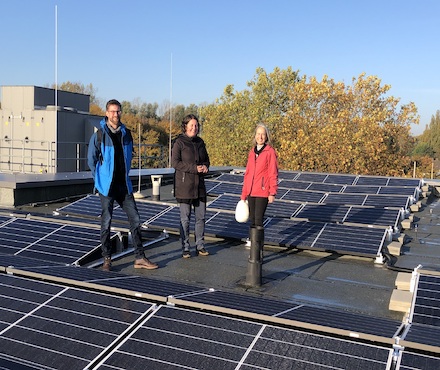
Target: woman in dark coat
[191, 163]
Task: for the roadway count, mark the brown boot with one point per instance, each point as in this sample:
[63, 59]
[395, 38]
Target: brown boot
[107, 265]
[145, 263]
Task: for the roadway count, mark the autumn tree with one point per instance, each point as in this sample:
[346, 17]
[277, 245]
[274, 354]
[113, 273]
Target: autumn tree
[229, 123]
[358, 128]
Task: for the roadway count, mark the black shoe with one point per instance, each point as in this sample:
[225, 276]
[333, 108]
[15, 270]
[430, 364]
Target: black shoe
[186, 254]
[202, 252]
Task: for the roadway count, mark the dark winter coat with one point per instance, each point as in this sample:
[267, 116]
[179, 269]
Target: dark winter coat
[186, 154]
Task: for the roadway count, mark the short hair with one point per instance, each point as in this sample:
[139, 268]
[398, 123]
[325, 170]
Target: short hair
[267, 134]
[113, 102]
[186, 119]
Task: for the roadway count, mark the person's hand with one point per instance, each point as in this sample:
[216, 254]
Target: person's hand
[271, 198]
[201, 168]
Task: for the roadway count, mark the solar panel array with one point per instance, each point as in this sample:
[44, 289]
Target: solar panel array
[382, 217]
[320, 236]
[48, 241]
[424, 329]
[319, 185]
[50, 326]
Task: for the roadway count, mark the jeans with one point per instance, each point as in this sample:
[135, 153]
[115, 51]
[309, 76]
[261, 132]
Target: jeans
[128, 204]
[257, 208]
[185, 217]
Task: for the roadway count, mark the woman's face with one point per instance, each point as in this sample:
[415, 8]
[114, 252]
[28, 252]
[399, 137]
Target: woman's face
[192, 128]
[260, 136]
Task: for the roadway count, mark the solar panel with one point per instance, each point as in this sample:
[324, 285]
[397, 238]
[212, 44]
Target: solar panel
[323, 212]
[326, 188]
[361, 189]
[373, 216]
[412, 360]
[399, 190]
[218, 188]
[289, 184]
[48, 241]
[179, 338]
[229, 177]
[290, 175]
[396, 201]
[295, 315]
[303, 196]
[372, 180]
[395, 181]
[353, 240]
[340, 179]
[312, 177]
[55, 327]
[110, 282]
[422, 337]
[90, 206]
[426, 308]
[345, 199]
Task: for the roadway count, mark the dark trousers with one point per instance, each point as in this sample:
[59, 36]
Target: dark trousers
[257, 208]
[128, 204]
[199, 207]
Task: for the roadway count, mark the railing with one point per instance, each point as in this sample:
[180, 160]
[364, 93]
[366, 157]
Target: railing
[28, 156]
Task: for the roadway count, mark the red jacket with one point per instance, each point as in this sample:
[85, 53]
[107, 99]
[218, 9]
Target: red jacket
[261, 176]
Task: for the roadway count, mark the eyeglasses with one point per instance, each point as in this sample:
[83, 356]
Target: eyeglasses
[114, 111]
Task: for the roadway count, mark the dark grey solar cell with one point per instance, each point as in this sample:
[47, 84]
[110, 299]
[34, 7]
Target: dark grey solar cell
[218, 188]
[371, 180]
[327, 188]
[361, 241]
[89, 206]
[312, 177]
[393, 181]
[396, 201]
[290, 175]
[422, 337]
[373, 216]
[345, 199]
[323, 212]
[427, 302]
[352, 322]
[361, 189]
[412, 360]
[289, 233]
[303, 196]
[249, 305]
[8, 364]
[398, 190]
[291, 184]
[229, 177]
[226, 202]
[340, 179]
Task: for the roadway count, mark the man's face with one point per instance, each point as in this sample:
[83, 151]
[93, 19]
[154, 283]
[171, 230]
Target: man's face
[113, 114]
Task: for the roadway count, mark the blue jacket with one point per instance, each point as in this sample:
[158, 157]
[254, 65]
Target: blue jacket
[101, 158]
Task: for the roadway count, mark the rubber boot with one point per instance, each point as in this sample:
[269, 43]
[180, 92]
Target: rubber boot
[255, 262]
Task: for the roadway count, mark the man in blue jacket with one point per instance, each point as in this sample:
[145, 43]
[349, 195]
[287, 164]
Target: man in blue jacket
[109, 158]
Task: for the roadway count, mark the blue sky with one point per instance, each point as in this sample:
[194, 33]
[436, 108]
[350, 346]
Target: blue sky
[189, 50]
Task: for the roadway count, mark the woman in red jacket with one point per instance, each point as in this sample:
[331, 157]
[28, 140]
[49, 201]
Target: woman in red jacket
[260, 183]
